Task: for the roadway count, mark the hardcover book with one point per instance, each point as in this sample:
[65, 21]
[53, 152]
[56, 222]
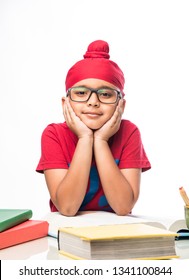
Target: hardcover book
[124, 241]
[13, 217]
[26, 231]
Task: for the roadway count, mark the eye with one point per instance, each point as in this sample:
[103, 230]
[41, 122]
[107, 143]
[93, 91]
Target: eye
[106, 93]
[80, 91]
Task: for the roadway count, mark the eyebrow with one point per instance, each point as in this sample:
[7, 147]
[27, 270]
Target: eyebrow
[106, 87]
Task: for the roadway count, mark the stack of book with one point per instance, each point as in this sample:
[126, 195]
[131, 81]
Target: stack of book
[16, 227]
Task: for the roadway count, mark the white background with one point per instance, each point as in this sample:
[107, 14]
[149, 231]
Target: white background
[41, 39]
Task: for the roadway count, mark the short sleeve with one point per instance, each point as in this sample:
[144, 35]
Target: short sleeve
[130, 151]
[52, 154]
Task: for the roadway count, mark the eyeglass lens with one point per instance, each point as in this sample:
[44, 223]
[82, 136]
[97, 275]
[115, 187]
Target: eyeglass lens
[82, 94]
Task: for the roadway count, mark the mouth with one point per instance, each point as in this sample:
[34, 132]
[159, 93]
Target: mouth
[92, 114]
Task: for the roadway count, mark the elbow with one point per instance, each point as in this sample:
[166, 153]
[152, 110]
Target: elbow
[68, 211]
[66, 208]
[122, 212]
[122, 209]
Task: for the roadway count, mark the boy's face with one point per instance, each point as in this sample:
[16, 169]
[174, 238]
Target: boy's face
[93, 113]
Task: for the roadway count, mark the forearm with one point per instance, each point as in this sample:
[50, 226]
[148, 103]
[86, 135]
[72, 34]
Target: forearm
[117, 188]
[72, 189]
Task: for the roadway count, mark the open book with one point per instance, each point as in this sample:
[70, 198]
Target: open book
[96, 218]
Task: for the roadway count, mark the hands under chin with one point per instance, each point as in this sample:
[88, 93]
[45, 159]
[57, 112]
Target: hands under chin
[74, 122]
[111, 126]
[81, 130]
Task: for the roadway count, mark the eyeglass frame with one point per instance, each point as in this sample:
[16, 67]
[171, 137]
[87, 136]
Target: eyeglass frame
[119, 94]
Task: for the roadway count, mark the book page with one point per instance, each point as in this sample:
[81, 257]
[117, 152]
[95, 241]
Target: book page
[93, 218]
[169, 223]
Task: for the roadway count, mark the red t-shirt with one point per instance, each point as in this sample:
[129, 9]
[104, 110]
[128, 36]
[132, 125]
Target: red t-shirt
[58, 145]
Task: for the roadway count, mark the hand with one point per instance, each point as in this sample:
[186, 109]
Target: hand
[112, 125]
[74, 122]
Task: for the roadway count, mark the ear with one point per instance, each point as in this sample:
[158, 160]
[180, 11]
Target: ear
[63, 101]
[123, 105]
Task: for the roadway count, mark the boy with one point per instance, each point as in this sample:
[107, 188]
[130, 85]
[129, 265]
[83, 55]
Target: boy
[94, 160]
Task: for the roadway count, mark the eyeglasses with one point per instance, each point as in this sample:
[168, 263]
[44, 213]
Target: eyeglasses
[105, 95]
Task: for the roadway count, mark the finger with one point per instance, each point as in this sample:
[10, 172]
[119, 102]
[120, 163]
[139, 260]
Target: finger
[116, 118]
[64, 111]
[70, 111]
[117, 114]
[121, 106]
[67, 114]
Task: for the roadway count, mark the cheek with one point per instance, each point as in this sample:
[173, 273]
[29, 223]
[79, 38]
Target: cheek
[110, 112]
[76, 108]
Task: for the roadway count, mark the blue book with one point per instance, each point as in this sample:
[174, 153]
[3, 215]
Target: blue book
[182, 234]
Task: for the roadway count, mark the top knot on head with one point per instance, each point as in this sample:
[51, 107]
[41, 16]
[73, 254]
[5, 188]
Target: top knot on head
[98, 49]
[96, 65]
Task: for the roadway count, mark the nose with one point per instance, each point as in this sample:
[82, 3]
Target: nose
[93, 100]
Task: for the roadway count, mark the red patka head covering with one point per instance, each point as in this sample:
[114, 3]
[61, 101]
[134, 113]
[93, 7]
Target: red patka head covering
[97, 65]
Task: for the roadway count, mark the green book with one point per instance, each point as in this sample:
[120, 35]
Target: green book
[12, 217]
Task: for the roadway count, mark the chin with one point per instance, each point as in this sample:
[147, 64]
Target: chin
[93, 126]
